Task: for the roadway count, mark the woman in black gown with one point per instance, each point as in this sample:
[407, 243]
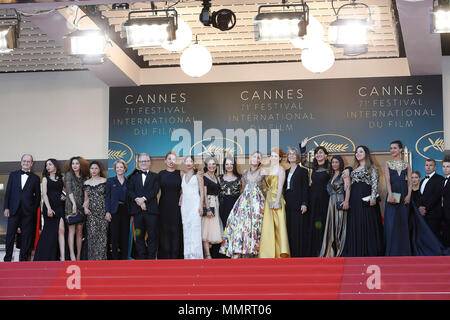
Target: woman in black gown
[319, 196]
[230, 188]
[297, 215]
[364, 225]
[170, 226]
[53, 213]
[230, 184]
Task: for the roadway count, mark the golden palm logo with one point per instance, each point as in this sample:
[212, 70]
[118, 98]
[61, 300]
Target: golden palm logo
[332, 147]
[119, 151]
[330, 141]
[431, 145]
[438, 145]
[116, 154]
[218, 149]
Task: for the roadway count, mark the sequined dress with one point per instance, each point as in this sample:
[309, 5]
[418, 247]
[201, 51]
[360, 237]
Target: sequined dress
[336, 225]
[242, 234]
[74, 185]
[364, 225]
[96, 224]
[228, 194]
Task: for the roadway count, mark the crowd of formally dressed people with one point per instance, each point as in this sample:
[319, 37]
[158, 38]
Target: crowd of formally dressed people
[267, 212]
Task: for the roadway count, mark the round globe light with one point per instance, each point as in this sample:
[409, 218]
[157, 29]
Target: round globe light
[196, 61]
[183, 37]
[318, 58]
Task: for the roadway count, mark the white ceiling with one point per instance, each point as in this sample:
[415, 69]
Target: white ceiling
[36, 52]
[39, 52]
[238, 45]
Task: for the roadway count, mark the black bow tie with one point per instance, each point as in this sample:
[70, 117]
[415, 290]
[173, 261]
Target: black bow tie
[427, 177]
[24, 172]
[144, 172]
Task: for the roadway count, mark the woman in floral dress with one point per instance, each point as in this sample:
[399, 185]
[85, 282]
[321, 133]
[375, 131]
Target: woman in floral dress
[242, 233]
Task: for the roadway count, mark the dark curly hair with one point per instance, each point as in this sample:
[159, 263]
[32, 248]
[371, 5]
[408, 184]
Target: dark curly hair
[84, 166]
[315, 163]
[46, 174]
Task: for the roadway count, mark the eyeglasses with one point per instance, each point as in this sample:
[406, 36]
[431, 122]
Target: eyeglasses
[144, 161]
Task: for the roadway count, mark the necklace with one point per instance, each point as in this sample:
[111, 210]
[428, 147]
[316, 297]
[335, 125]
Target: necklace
[211, 178]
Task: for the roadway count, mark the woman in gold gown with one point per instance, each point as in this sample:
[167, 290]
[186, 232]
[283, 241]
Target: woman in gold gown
[274, 237]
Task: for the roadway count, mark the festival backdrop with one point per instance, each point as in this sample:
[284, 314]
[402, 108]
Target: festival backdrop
[241, 117]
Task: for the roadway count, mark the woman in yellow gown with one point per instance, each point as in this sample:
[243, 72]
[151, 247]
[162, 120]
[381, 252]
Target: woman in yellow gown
[274, 236]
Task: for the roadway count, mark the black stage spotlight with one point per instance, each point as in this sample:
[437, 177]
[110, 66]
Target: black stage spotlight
[121, 6]
[224, 19]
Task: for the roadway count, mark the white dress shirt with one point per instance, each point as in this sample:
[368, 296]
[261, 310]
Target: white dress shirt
[144, 177]
[289, 181]
[425, 181]
[446, 179]
[24, 180]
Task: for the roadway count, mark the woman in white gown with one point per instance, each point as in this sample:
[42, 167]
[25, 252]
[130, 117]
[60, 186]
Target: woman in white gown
[192, 210]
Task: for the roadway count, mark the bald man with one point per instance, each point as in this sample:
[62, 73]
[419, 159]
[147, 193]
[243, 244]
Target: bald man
[22, 199]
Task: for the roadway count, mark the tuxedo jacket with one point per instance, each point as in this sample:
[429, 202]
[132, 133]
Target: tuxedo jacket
[113, 189]
[432, 195]
[149, 190]
[446, 199]
[28, 199]
[299, 185]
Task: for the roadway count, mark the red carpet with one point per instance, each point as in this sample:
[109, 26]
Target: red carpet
[254, 279]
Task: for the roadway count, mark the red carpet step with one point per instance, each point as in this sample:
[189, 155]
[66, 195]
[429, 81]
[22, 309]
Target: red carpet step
[225, 279]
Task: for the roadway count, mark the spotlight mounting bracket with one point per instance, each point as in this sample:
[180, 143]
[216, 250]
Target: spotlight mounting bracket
[224, 19]
[155, 12]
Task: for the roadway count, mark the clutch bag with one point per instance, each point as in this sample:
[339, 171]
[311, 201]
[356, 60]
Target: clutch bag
[75, 219]
[367, 199]
[205, 211]
[273, 204]
[396, 196]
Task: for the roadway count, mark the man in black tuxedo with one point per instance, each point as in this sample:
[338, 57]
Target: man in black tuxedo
[446, 200]
[430, 198]
[142, 190]
[22, 199]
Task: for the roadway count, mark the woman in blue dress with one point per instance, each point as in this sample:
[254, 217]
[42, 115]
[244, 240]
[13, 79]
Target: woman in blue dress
[397, 174]
[406, 232]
